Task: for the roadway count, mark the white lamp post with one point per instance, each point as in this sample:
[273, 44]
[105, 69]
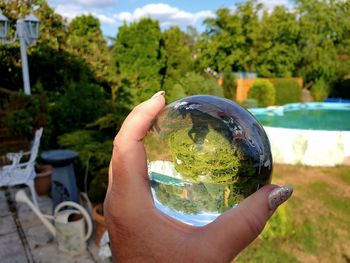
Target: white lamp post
[27, 31]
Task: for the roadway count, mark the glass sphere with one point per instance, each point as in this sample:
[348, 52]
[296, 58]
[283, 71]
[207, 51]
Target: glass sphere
[205, 155]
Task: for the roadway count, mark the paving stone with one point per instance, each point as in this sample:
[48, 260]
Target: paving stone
[11, 247]
[39, 236]
[15, 259]
[7, 225]
[29, 220]
[50, 253]
[4, 210]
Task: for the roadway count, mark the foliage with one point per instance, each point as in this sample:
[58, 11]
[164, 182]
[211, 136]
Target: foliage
[83, 103]
[320, 90]
[90, 146]
[287, 91]
[26, 113]
[263, 91]
[222, 165]
[85, 40]
[322, 28]
[139, 56]
[231, 38]
[229, 85]
[277, 47]
[178, 60]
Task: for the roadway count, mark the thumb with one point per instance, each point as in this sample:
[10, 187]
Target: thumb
[238, 227]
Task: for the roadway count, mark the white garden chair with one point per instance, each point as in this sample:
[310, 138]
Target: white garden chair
[22, 173]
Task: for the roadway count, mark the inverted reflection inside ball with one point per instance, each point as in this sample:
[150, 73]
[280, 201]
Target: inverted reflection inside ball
[205, 155]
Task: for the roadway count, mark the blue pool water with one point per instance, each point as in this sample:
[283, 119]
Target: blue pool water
[309, 116]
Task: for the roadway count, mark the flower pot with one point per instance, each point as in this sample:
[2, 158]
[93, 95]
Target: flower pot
[42, 180]
[97, 214]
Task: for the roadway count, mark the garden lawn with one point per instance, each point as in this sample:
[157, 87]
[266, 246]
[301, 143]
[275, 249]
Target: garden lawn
[314, 225]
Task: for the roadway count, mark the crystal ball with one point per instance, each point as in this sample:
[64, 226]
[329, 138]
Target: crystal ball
[205, 155]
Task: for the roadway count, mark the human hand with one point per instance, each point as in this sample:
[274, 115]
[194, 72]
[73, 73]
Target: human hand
[139, 232]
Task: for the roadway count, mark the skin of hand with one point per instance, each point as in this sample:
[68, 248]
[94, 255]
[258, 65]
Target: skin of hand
[139, 232]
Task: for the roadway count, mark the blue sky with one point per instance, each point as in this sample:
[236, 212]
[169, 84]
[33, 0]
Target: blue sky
[112, 13]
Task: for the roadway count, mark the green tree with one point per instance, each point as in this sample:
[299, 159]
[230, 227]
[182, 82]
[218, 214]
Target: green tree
[85, 40]
[178, 60]
[321, 31]
[231, 38]
[139, 56]
[278, 52]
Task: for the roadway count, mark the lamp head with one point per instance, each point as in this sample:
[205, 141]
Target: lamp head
[4, 24]
[32, 24]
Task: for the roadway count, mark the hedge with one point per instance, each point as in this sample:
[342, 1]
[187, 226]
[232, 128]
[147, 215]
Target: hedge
[287, 91]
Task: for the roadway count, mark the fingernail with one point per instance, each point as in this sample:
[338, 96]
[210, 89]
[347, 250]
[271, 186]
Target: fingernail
[279, 195]
[162, 92]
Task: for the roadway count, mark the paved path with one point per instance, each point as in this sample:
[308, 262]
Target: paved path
[23, 238]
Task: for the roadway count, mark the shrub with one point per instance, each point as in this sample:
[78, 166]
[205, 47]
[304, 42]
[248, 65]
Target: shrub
[320, 90]
[26, 113]
[83, 103]
[287, 91]
[263, 91]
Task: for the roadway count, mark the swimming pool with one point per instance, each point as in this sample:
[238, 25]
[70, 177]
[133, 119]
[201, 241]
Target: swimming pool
[316, 134]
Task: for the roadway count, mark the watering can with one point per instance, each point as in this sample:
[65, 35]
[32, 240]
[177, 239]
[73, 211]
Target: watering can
[69, 225]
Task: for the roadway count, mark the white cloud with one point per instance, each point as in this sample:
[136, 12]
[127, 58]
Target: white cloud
[70, 11]
[97, 4]
[165, 14]
[104, 19]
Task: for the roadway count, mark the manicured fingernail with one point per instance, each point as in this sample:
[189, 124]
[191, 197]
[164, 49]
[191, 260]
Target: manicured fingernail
[279, 195]
[159, 93]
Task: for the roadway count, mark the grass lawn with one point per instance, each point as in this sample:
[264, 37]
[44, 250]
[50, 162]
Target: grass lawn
[314, 225]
